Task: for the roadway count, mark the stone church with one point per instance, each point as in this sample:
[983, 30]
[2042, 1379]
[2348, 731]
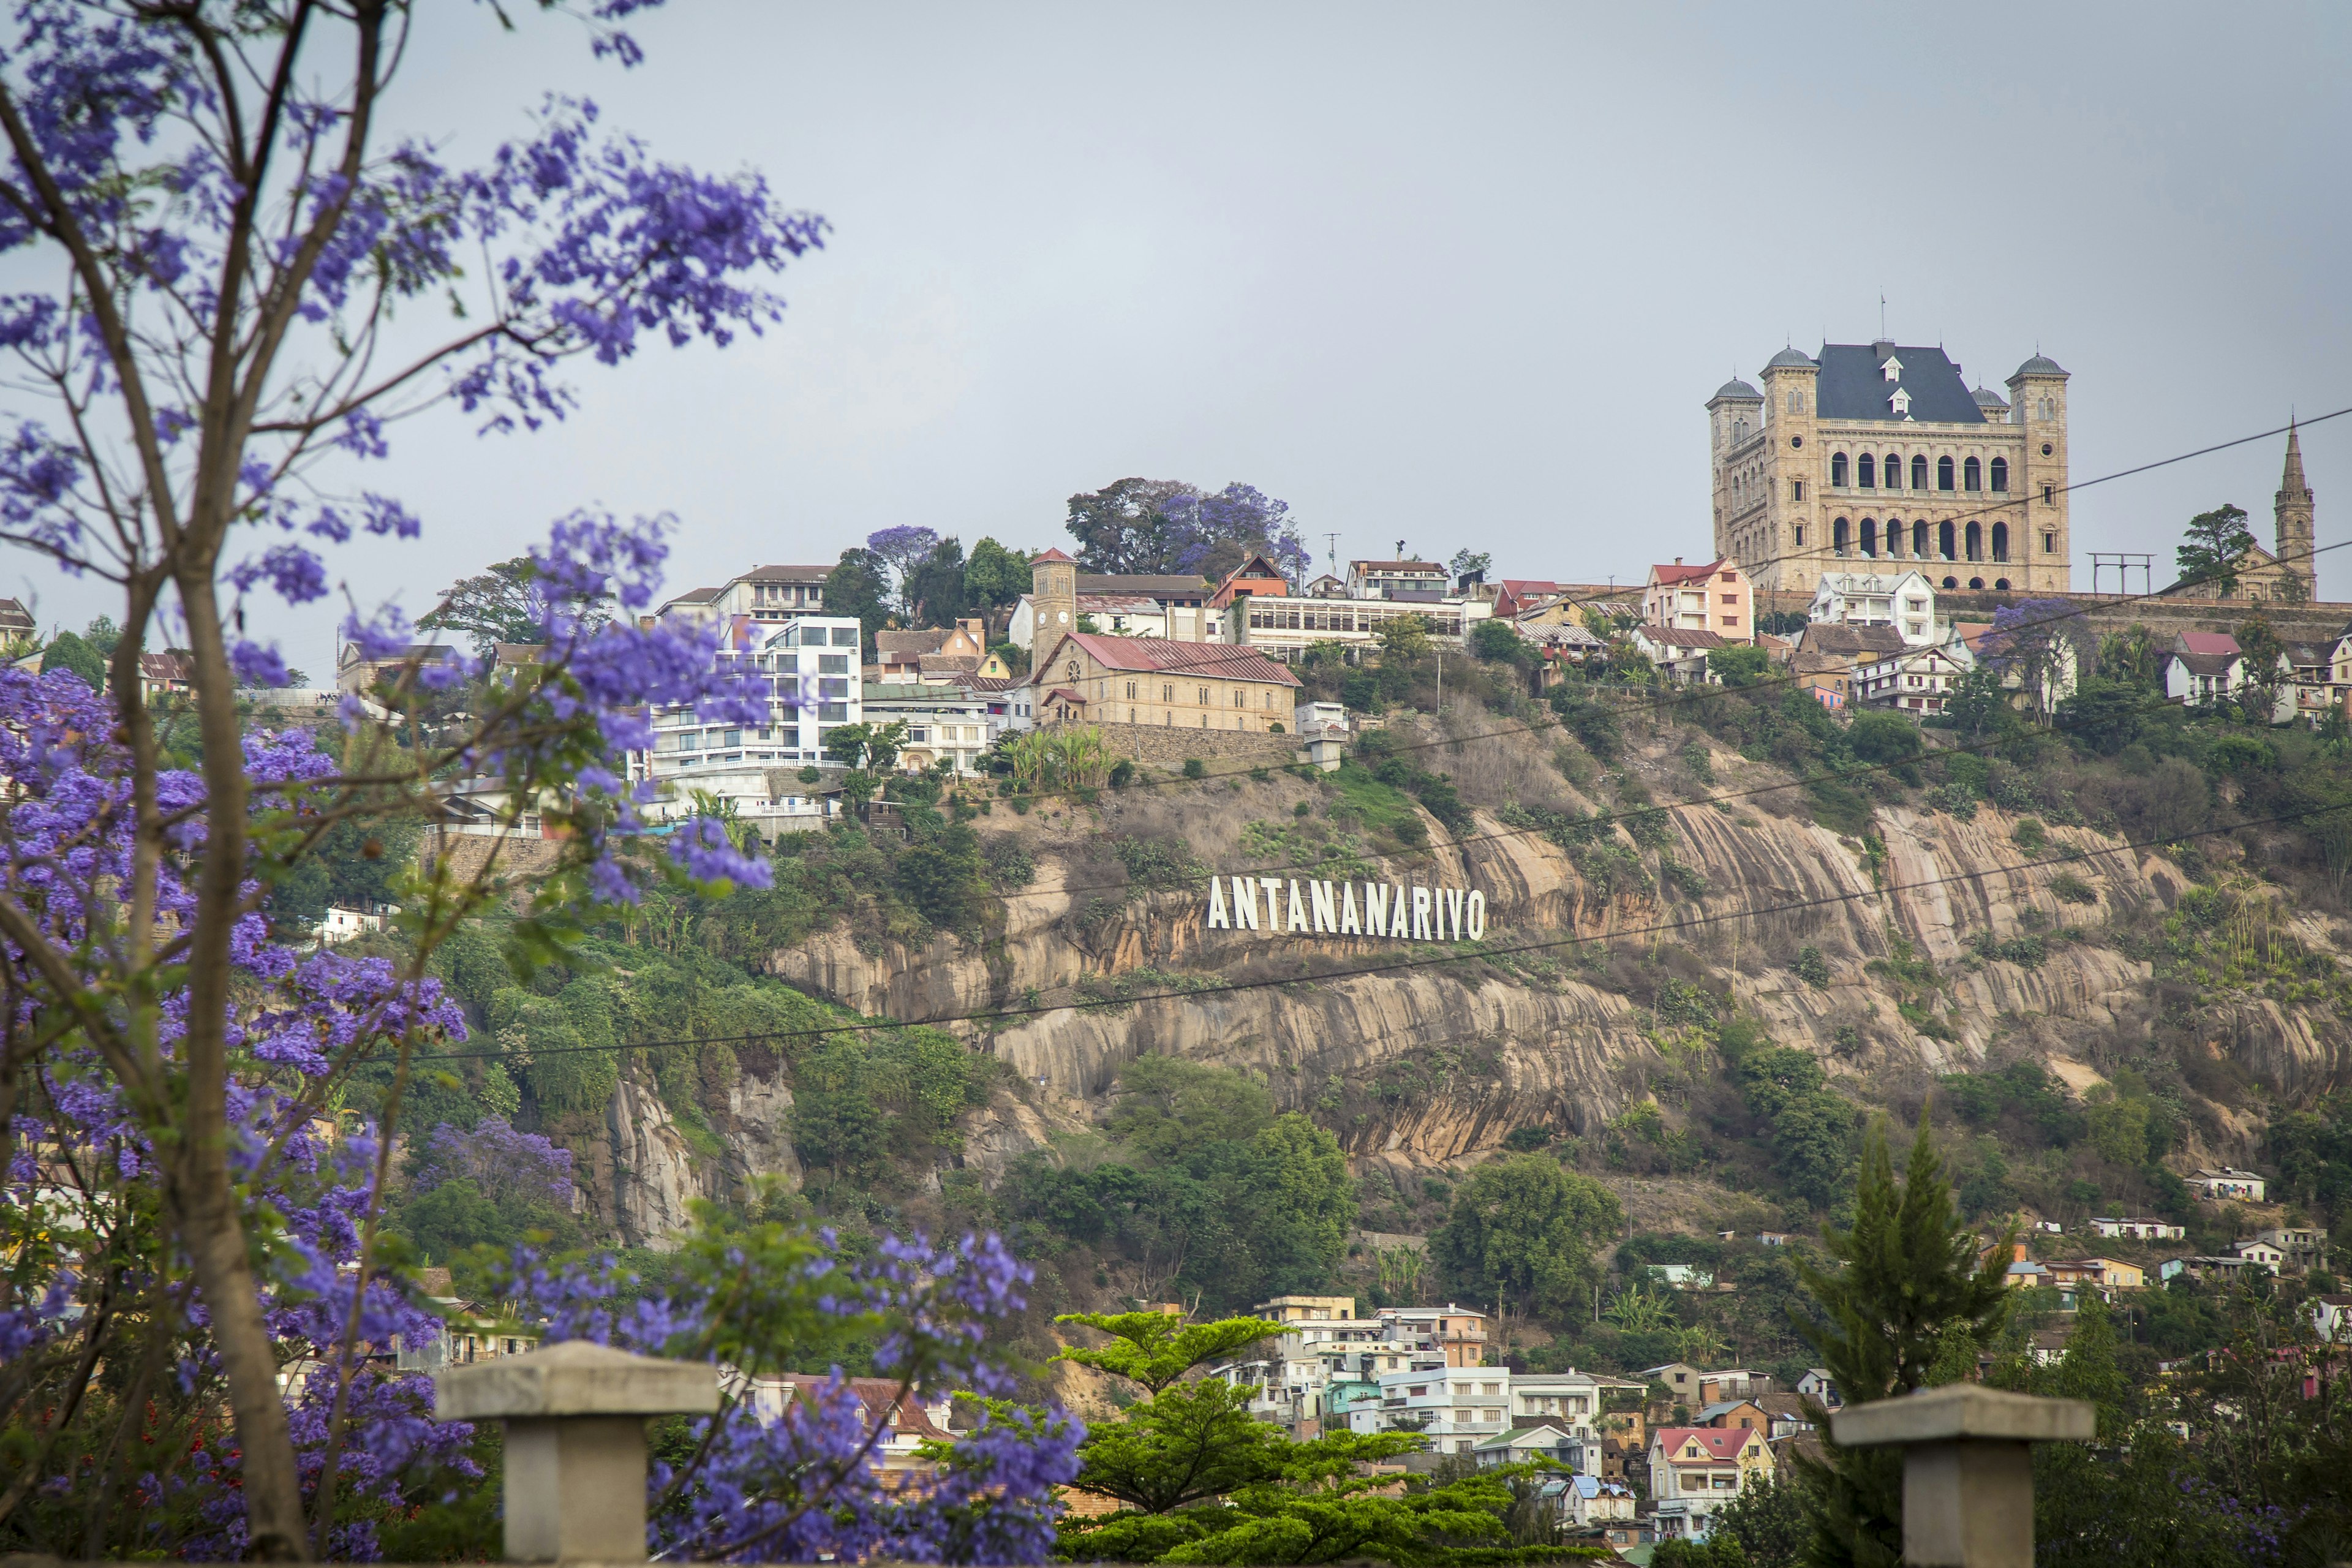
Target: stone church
[2288, 572]
[1882, 452]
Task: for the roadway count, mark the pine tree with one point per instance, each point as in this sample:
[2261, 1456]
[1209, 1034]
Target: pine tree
[1907, 1285]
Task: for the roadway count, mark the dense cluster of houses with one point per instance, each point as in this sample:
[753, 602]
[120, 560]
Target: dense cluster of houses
[1180, 652]
[1877, 639]
[1639, 1459]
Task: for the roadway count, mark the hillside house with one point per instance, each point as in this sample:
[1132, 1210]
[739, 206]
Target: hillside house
[1904, 601]
[2260, 1252]
[1819, 1386]
[2305, 1246]
[1918, 680]
[2140, 1229]
[1715, 597]
[2227, 1182]
[1696, 1470]
[1588, 1501]
[1424, 580]
[1676, 651]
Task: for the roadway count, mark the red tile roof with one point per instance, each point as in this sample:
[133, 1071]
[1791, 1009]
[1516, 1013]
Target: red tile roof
[1684, 574]
[1050, 556]
[879, 1397]
[2208, 642]
[1721, 1443]
[1225, 660]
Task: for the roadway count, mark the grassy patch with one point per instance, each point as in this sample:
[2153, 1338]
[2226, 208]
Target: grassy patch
[1380, 807]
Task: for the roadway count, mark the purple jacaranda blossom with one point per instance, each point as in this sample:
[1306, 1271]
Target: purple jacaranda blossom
[215, 345]
[790, 1468]
[501, 1162]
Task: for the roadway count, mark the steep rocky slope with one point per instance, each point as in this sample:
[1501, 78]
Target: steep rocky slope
[1437, 1054]
[1436, 1057]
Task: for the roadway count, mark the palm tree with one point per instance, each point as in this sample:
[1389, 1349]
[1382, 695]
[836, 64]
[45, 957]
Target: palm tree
[1639, 1310]
[1699, 1344]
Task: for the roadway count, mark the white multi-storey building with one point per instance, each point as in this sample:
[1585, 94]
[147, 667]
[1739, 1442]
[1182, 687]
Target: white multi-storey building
[1453, 1406]
[946, 722]
[808, 668]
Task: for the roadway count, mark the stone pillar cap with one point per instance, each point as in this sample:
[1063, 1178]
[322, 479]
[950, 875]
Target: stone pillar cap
[575, 1378]
[1963, 1412]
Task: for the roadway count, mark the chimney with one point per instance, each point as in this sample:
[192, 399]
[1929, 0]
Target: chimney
[1679, 560]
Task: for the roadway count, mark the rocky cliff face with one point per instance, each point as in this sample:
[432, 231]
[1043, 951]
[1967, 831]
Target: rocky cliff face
[1440, 1054]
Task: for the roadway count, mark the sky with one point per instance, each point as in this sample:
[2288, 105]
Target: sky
[1458, 274]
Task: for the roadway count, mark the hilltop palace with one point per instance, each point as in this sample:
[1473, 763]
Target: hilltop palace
[1880, 451]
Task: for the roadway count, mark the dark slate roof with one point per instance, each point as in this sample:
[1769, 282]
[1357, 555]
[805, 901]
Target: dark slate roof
[1738, 391]
[1851, 386]
[2205, 663]
[1145, 583]
[1987, 399]
[2040, 365]
[1787, 357]
[1843, 638]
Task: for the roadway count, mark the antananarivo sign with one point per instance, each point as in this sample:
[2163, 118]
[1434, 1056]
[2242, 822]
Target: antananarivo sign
[1407, 911]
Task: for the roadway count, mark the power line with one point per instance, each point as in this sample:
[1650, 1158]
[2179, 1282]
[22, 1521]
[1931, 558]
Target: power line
[1699, 694]
[1608, 596]
[1409, 962]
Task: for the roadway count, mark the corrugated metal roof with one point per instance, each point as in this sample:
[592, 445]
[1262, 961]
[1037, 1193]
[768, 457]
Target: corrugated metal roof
[1225, 660]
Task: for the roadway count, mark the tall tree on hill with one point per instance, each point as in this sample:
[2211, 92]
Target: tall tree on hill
[507, 602]
[68, 651]
[2043, 644]
[2265, 663]
[1910, 1288]
[994, 578]
[1123, 527]
[934, 590]
[1211, 534]
[860, 586]
[2217, 541]
[903, 547]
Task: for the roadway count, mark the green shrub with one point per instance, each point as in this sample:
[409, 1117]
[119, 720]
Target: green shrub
[1812, 968]
[1194, 768]
[2072, 890]
[2030, 836]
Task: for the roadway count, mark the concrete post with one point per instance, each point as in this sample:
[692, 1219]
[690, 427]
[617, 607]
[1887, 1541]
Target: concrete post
[575, 1453]
[1968, 1471]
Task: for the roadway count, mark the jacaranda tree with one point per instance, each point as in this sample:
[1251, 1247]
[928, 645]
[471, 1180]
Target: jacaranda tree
[223, 234]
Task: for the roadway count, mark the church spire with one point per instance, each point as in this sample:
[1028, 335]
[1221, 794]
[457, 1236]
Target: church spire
[2292, 483]
[2296, 512]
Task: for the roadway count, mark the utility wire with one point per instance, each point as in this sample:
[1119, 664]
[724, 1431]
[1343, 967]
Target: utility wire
[1660, 704]
[1663, 703]
[1699, 694]
[1409, 962]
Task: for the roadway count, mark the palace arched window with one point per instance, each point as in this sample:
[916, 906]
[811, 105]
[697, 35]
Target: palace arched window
[1894, 536]
[2001, 476]
[1796, 402]
[1976, 541]
[2000, 542]
[1943, 473]
[1894, 472]
[1919, 473]
[1837, 471]
[1838, 536]
[1919, 537]
[1870, 537]
[1944, 540]
[1971, 475]
[1865, 471]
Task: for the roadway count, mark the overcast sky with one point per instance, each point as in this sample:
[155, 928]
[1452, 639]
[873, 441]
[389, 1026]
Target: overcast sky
[1454, 275]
